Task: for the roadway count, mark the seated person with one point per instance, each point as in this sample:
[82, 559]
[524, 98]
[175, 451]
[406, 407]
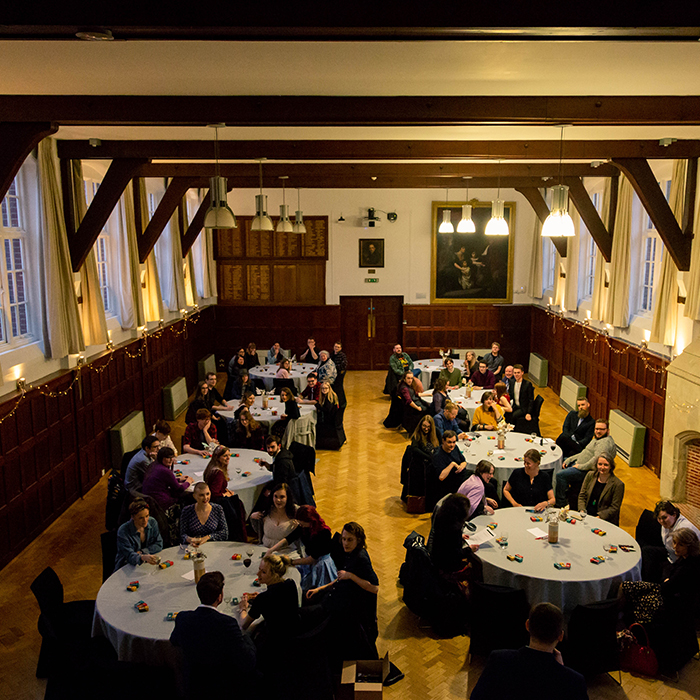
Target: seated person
[474, 488]
[310, 355]
[340, 359]
[502, 398]
[290, 411]
[248, 433]
[471, 364]
[274, 355]
[285, 368]
[509, 380]
[251, 356]
[244, 382]
[317, 568]
[162, 431]
[425, 439]
[399, 363]
[311, 393]
[578, 430]
[535, 670]
[161, 484]
[447, 420]
[449, 470]
[408, 391]
[201, 400]
[449, 552]
[277, 520]
[452, 375]
[326, 417]
[327, 371]
[216, 473]
[214, 395]
[282, 465]
[278, 605]
[657, 561]
[236, 363]
[602, 492]
[522, 398]
[529, 486]
[575, 467]
[439, 396]
[200, 434]
[488, 415]
[494, 361]
[206, 633]
[247, 401]
[204, 520]
[483, 377]
[138, 539]
[140, 462]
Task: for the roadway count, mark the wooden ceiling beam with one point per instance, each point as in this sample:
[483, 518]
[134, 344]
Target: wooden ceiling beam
[315, 110]
[17, 141]
[644, 181]
[589, 215]
[166, 208]
[534, 196]
[691, 183]
[378, 150]
[195, 227]
[110, 190]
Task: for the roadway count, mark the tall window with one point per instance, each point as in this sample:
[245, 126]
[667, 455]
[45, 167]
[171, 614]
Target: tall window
[14, 321]
[549, 263]
[589, 252]
[652, 250]
[103, 254]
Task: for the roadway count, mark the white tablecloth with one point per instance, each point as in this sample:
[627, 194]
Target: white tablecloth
[143, 637]
[299, 372]
[427, 367]
[584, 583]
[248, 488]
[510, 458]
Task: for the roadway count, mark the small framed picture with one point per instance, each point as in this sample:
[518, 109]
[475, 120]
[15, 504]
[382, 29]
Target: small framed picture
[371, 252]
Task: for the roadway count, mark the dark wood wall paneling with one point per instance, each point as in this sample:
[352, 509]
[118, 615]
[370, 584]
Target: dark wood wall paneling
[53, 450]
[428, 328]
[616, 379]
[291, 326]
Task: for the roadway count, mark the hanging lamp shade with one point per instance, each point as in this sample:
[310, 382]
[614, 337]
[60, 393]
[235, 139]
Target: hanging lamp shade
[284, 225]
[446, 225]
[299, 226]
[219, 214]
[261, 222]
[497, 225]
[466, 225]
[559, 222]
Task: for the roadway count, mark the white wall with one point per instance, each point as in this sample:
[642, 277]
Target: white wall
[407, 247]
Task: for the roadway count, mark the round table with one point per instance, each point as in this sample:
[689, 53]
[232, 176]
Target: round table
[144, 637]
[248, 488]
[479, 444]
[298, 374]
[427, 367]
[584, 583]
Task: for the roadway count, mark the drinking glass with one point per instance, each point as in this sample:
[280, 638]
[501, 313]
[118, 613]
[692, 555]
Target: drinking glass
[247, 562]
[583, 515]
[250, 551]
[503, 540]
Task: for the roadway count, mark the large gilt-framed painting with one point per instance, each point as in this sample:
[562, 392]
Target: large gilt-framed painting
[471, 267]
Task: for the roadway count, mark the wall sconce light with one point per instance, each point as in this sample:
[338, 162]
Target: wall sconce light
[21, 384]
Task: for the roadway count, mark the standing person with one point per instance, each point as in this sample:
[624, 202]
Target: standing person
[251, 356]
[534, 671]
[310, 355]
[327, 371]
[275, 355]
[483, 377]
[340, 359]
[494, 361]
[522, 398]
[327, 418]
[140, 462]
[602, 492]
[206, 633]
[529, 486]
[138, 539]
[200, 400]
[575, 467]
[578, 429]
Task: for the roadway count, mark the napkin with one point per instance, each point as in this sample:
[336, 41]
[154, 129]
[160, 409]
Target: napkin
[536, 532]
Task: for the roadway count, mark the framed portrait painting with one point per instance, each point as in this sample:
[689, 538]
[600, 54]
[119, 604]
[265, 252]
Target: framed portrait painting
[471, 267]
[371, 252]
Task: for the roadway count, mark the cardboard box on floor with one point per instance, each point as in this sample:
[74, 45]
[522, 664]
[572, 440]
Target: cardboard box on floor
[353, 689]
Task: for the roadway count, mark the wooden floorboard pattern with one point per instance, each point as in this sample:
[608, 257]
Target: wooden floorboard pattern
[360, 482]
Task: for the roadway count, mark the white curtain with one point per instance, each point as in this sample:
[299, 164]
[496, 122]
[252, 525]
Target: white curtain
[692, 302]
[570, 264]
[61, 320]
[617, 305]
[665, 317]
[150, 292]
[600, 291]
[169, 256]
[204, 265]
[535, 281]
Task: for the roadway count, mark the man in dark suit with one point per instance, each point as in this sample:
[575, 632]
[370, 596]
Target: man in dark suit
[534, 671]
[523, 397]
[578, 429]
[210, 637]
[282, 465]
[508, 379]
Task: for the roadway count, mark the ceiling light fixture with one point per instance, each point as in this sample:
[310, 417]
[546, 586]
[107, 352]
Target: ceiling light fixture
[219, 214]
[466, 225]
[497, 225]
[284, 225]
[559, 221]
[446, 225]
[299, 226]
[261, 222]
[95, 34]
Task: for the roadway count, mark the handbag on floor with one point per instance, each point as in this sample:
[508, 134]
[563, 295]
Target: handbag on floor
[635, 653]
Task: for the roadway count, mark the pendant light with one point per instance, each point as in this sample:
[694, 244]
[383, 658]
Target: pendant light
[446, 225]
[559, 222]
[497, 225]
[284, 225]
[466, 225]
[261, 222]
[219, 215]
[299, 226]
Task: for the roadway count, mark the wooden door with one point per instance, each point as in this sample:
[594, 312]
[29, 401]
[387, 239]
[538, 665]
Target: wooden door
[370, 326]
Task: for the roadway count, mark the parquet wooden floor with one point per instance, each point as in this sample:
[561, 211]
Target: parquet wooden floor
[361, 482]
